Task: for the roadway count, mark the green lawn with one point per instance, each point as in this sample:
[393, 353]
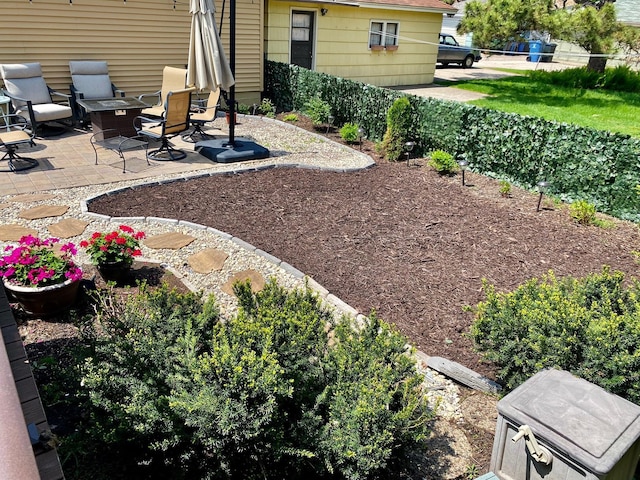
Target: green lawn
[603, 110]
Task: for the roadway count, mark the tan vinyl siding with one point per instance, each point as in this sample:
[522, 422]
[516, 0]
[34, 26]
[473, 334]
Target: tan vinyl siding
[137, 39]
[342, 42]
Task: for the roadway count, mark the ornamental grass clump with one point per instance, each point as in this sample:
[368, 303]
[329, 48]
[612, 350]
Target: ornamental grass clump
[35, 263]
[117, 246]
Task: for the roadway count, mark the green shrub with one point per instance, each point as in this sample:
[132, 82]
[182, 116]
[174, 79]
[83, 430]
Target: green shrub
[399, 129]
[583, 212]
[505, 188]
[443, 162]
[267, 108]
[256, 395]
[588, 326]
[318, 110]
[290, 117]
[243, 108]
[349, 132]
[620, 78]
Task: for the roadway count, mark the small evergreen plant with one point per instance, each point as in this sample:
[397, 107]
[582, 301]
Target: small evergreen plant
[318, 110]
[443, 162]
[283, 386]
[399, 129]
[349, 132]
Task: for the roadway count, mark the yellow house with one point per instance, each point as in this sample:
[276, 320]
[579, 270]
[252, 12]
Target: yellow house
[136, 37]
[380, 42]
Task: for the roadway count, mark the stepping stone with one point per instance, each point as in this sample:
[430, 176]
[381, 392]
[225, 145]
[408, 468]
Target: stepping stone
[172, 241]
[43, 211]
[4, 205]
[256, 278]
[207, 260]
[67, 228]
[13, 233]
[32, 197]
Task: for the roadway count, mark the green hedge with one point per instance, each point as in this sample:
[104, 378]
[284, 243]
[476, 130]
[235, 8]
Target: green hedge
[580, 163]
[589, 326]
[282, 389]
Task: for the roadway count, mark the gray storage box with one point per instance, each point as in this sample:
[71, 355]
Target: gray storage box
[590, 433]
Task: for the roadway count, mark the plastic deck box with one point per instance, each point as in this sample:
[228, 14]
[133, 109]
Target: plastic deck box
[585, 432]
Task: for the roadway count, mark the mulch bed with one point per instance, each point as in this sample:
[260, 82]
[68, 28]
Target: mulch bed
[400, 240]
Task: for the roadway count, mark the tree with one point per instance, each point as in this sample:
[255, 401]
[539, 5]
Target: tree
[628, 39]
[497, 22]
[592, 27]
[590, 24]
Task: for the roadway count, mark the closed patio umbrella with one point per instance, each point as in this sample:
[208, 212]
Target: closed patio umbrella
[208, 66]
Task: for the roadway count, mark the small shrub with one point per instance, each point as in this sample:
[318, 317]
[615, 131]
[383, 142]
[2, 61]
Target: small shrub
[349, 132]
[252, 396]
[243, 108]
[588, 326]
[318, 110]
[399, 129]
[290, 117]
[443, 162]
[583, 212]
[267, 108]
[505, 188]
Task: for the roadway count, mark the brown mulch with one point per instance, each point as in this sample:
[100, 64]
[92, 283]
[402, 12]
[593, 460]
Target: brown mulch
[399, 240]
[404, 242]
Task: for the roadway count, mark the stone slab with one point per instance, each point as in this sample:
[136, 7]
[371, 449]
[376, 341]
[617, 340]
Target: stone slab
[67, 228]
[207, 260]
[172, 241]
[43, 211]
[32, 197]
[255, 277]
[13, 233]
[4, 205]
[464, 375]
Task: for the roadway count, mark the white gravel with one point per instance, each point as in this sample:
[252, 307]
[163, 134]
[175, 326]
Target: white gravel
[288, 145]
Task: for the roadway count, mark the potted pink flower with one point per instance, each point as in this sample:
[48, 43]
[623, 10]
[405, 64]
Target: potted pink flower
[43, 279]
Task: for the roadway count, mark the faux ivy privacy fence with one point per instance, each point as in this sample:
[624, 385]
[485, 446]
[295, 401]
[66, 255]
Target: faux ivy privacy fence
[579, 163]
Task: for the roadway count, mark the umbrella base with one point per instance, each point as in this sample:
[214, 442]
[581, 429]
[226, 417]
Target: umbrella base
[220, 151]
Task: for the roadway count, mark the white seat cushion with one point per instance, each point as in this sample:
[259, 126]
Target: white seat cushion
[47, 112]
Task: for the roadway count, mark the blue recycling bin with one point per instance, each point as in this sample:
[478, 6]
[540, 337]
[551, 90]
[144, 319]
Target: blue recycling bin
[535, 49]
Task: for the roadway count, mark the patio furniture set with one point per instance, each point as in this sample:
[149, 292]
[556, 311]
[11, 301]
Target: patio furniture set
[118, 122]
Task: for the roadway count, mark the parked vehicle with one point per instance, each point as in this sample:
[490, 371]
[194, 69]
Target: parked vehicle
[450, 51]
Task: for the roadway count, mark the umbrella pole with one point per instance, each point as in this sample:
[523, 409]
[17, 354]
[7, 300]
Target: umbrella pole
[231, 150]
[232, 64]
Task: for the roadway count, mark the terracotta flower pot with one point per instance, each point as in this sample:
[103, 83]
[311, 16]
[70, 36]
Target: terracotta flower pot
[228, 118]
[45, 301]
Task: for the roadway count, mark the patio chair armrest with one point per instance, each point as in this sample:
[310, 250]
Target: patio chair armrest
[139, 120]
[198, 108]
[117, 92]
[154, 94]
[29, 104]
[60, 94]
[14, 97]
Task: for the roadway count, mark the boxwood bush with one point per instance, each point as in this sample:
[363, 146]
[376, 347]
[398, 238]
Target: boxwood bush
[589, 326]
[282, 389]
